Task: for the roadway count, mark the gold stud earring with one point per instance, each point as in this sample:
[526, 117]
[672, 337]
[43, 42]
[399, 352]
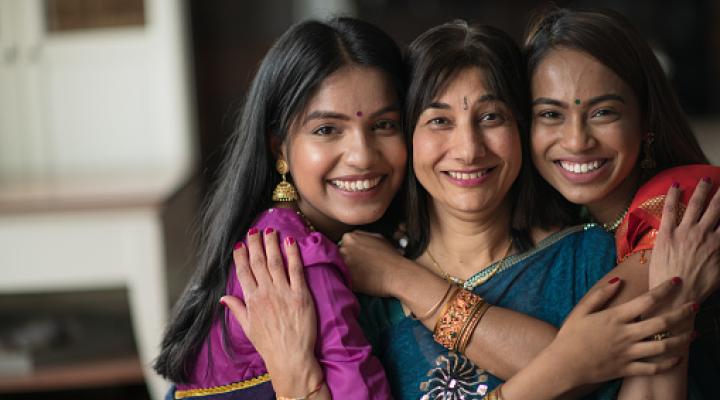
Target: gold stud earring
[284, 191]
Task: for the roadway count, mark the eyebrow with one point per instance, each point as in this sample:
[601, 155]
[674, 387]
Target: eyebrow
[590, 102]
[334, 115]
[445, 106]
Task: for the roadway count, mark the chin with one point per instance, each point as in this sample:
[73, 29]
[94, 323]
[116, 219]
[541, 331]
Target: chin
[360, 217]
[581, 196]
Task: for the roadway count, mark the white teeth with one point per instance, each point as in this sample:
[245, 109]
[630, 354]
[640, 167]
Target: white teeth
[356, 186]
[465, 176]
[581, 168]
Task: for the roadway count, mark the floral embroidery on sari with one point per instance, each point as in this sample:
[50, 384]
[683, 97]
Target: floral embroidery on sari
[454, 378]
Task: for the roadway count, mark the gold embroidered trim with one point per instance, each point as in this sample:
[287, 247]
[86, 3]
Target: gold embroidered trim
[183, 394]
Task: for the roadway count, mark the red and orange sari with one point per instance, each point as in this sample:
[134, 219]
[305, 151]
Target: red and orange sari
[638, 230]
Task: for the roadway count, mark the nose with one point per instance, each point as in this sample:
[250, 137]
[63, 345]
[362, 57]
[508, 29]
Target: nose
[576, 136]
[467, 143]
[360, 149]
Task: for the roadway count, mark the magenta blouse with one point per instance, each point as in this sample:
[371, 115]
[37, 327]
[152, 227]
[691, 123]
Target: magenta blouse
[232, 369]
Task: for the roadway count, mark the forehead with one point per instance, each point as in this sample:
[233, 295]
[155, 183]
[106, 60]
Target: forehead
[571, 74]
[470, 81]
[354, 88]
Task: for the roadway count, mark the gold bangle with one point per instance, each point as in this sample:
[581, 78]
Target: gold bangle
[454, 318]
[471, 325]
[305, 397]
[496, 394]
[435, 307]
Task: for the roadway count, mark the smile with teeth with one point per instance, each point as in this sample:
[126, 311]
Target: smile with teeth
[581, 168]
[360, 185]
[464, 176]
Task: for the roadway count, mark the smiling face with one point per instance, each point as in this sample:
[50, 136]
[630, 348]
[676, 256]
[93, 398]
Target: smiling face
[346, 151]
[586, 130]
[466, 147]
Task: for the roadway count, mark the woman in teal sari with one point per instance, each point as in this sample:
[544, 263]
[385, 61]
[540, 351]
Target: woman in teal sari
[471, 222]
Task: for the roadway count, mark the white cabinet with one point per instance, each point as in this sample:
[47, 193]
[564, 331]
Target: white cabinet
[96, 132]
[98, 100]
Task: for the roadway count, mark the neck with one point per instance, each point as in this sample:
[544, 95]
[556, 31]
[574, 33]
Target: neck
[329, 227]
[611, 207]
[464, 244]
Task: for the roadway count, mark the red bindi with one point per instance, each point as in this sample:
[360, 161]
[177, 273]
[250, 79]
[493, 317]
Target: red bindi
[359, 113]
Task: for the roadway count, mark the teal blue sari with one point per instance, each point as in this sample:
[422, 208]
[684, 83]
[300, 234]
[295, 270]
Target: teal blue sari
[545, 282]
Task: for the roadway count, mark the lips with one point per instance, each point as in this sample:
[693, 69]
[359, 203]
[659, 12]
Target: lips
[347, 184]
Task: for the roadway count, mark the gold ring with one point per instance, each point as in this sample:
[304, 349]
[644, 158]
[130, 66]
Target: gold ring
[661, 336]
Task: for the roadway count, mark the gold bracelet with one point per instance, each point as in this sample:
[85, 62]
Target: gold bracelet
[306, 397]
[454, 317]
[496, 394]
[471, 325]
[435, 307]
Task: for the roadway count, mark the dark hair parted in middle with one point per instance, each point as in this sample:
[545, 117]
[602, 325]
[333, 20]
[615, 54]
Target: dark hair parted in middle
[610, 38]
[287, 79]
[434, 60]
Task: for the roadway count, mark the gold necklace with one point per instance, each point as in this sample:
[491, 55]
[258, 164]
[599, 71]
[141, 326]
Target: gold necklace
[460, 282]
[307, 221]
[614, 224]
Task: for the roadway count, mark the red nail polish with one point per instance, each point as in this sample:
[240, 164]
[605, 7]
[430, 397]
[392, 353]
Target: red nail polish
[614, 280]
[222, 301]
[238, 245]
[676, 280]
[695, 307]
[290, 240]
[675, 184]
[268, 230]
[252, 231]
[707, 179]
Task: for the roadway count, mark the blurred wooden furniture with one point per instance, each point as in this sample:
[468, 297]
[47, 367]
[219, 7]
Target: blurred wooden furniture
[96, 133]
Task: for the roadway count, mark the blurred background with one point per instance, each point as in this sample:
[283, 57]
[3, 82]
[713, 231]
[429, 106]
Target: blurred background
[113, 114]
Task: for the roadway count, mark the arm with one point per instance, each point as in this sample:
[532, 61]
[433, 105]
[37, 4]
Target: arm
[504, 342]
[689, 249]
[591, 340]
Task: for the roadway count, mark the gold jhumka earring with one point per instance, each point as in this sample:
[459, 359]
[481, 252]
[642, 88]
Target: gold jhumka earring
[284, 191]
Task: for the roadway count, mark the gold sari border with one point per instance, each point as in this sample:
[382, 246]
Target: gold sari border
[183, 394]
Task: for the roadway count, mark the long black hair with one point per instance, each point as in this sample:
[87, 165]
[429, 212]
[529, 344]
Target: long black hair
[286, 80]
[611, 39]
[434, 59]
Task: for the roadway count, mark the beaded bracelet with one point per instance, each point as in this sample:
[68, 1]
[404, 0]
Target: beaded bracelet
[305, 397]
[454, 317]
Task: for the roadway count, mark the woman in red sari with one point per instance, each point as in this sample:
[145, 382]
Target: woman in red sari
[609, 134]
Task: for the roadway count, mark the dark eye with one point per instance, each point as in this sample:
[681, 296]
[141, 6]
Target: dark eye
[438, 121]
[549, 114]
[386, 125]
[324, 130]
[492, 119]
[603, 112]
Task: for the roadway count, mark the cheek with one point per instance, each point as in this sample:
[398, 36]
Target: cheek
[309, 163]
[423, 151]
[395, 154]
